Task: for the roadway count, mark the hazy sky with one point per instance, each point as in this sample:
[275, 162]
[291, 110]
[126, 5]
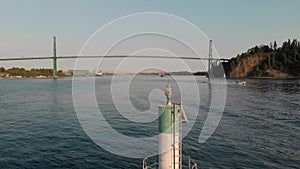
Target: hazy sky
[27, 26]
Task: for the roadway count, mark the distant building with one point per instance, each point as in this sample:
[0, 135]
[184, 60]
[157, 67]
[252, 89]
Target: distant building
[78, 72]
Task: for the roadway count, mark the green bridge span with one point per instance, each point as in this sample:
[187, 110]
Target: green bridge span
[55, 57]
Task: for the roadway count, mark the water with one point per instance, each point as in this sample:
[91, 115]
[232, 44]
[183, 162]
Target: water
[260, 127]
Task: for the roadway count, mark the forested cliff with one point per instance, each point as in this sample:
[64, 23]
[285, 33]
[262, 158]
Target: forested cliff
[266, 61]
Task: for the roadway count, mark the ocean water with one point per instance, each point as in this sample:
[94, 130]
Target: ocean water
[260, 126]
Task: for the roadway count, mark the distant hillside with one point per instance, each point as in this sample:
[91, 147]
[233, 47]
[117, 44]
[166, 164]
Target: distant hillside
[266, 61]
[15, 71]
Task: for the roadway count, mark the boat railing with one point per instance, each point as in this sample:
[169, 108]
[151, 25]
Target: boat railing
[188, 163]
[152, 162]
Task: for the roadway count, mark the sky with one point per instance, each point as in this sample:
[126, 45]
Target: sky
[234, 26]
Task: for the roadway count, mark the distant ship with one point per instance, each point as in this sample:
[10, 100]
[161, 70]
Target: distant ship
[161, 74]
[99, 74]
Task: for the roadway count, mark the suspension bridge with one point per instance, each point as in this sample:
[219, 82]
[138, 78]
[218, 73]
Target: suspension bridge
[54, 58]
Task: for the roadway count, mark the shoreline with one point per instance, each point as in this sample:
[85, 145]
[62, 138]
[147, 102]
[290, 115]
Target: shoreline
[60, 77]
[233, 78]
[269, 78]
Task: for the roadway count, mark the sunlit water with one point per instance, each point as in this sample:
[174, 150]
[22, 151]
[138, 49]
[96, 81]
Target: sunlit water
[260, 127]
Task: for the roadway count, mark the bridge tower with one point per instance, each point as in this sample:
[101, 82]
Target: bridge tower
[209, 72]
[54, 58]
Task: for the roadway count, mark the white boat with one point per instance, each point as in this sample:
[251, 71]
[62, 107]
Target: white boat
[243, 83]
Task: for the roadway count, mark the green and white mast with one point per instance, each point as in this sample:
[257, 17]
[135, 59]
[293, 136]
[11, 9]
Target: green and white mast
[169, 138]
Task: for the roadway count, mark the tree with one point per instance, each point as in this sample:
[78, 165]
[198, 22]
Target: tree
[285, 47]
[265, 66]
[275, 45]
[238, 58]
[285, 59]
[273, 61]
[256, 49]
[294, 43]
[257, 71]
[2, 69]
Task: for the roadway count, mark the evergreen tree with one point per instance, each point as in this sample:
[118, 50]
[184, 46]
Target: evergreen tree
[275, 45]
[2, 69]
[273, 61]
[285, 59]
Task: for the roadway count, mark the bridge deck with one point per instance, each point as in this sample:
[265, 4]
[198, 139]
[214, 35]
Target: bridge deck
[108, 57]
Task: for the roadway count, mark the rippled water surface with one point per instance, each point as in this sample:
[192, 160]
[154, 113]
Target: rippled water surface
[260, 126]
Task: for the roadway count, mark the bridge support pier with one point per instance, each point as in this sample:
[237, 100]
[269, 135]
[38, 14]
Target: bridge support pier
[209, 72]
[54, 58]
